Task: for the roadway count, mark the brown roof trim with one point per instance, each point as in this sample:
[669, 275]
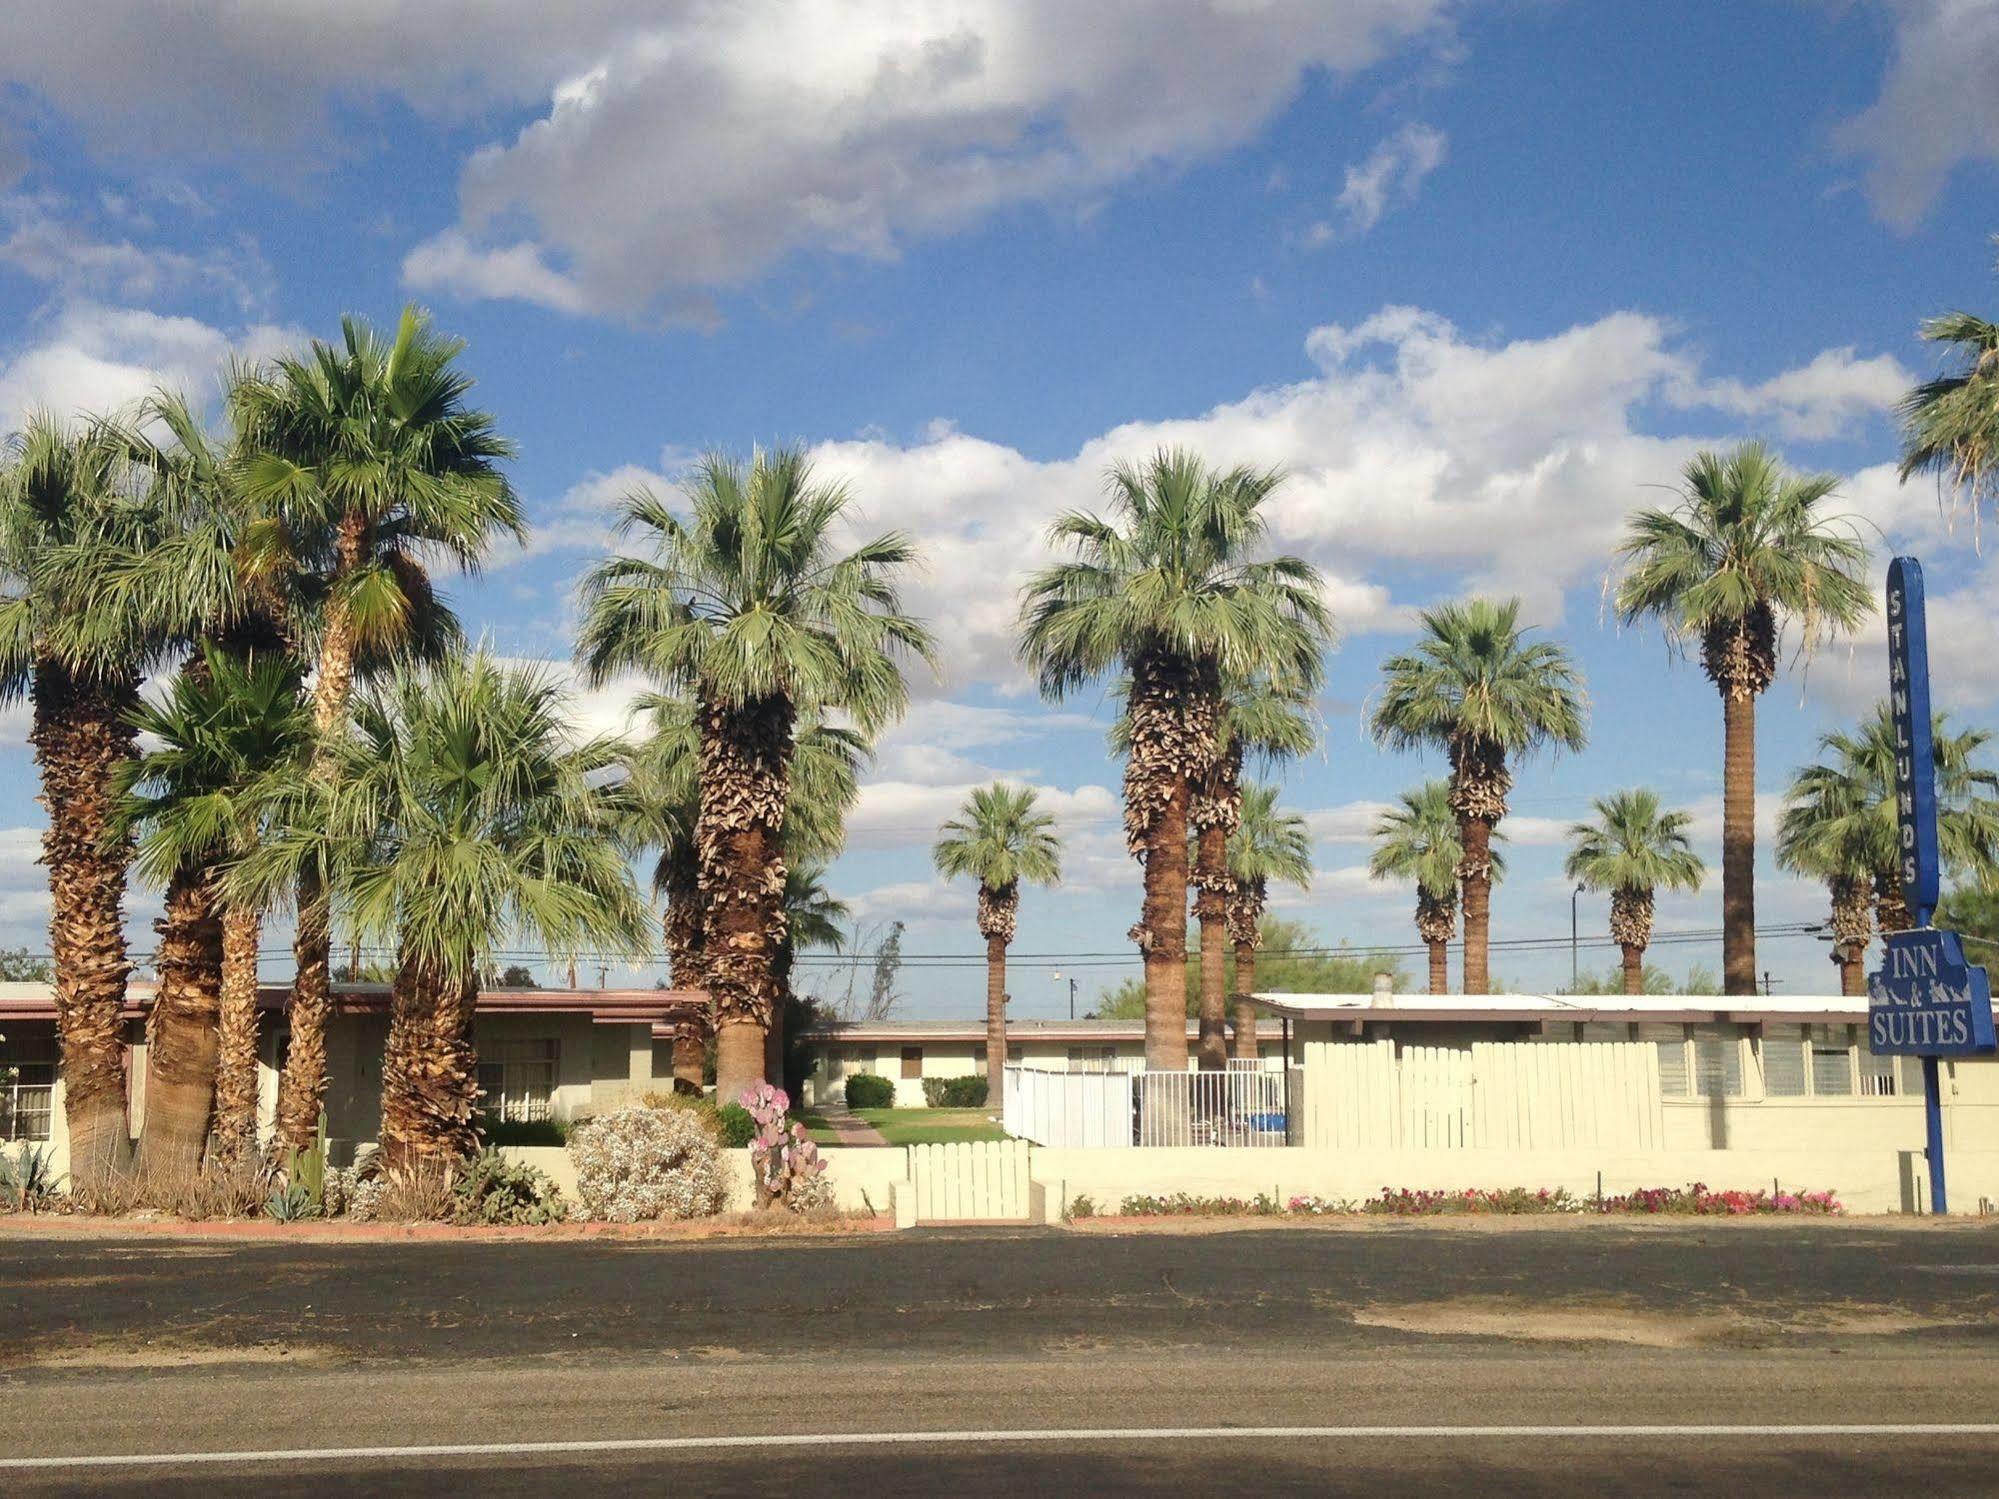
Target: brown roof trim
[603, 1006]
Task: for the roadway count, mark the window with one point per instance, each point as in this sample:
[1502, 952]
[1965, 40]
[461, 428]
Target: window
[1879, 1077]
[912, 1061]
[1092, 1058]
[1832, 1061]
[518, 1079]
[1783, 1062]
[1717, 1062]
[1014, 1052]
[1671, 1042]
[26, 1096]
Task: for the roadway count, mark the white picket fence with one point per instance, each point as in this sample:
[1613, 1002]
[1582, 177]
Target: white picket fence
[1238, 1108]
[970, 1181]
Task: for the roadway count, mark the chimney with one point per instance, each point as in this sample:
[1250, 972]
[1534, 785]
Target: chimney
[1384, 992]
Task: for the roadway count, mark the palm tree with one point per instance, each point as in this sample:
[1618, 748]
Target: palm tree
[471, 816]
[368, 452]
[747, 608]
[1417, 840]
[1839, 825]
[1168, 590]
[1950, 425]
[1475, 689]
[1000, 837]
[1266, 845]
[1748, 550]
[70, 501]
[191, 803]
[1633, 849]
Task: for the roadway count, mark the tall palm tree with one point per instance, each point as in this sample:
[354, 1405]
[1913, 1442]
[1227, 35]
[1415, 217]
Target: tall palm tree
[1266, 845]
[1000, 837]
[1474, 688]
[1748, 550]
[1417, 840]
[191, 803]
[71, 500]
[1169, 590]
[1839, 825]
[1950, 425]
[371, 445]
[470, 816]
[747, 607]
[1633, 849]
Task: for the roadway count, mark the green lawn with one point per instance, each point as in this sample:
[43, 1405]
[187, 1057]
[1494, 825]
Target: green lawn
[914, 1126]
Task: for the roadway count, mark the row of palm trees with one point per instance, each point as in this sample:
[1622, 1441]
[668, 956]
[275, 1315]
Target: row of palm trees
[330, 747]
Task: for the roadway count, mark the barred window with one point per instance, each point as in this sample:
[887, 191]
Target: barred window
[1784, 1061]
[27, 1087]
[518, 1079]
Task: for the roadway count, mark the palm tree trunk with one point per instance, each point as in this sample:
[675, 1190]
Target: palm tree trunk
[1476, 835]
[996, 1026]
[1162, 936]
[302, 1089]
[80, 736]
[236, 1060]
[430, 1075]
[181, 1038]
[1634, 968]
[1243, 1042]
[1738, 843]
[744, 791]
[690, 1057]
[683, 951]
[1440, 967]
[1891, 911]
[1852, 972]
[1211, 909]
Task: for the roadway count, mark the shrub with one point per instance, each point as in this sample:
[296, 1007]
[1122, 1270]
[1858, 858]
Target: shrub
[866, 1091]
[28, 1180]
[492, 1189]
[1082, 1205]
[1704, 1201]
[1403, 1203]
[735, 1126]
[419, 1194]
[789, 1172]
[1186, 1205]
[524, 1132]
[637, 1164]
[955, 1092]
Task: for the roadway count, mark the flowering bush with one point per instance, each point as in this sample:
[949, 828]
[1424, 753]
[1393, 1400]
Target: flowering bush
[1311, 1205]
[1703, 1200]
[1402, 1203]
[1186, 1205]
[788, 1170]
[636, 1164]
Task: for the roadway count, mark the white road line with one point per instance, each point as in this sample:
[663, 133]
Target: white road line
[1055, 1435]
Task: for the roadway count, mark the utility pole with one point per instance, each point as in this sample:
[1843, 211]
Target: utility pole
[1575, 965]
[1072, 992]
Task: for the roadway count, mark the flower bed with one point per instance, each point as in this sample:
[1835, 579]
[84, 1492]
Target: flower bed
[1697, 1200]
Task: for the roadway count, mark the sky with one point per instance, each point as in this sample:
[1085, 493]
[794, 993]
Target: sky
[1479, 277]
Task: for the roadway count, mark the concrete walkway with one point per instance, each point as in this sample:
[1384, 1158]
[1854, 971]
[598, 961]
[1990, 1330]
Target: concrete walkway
[848, 1127]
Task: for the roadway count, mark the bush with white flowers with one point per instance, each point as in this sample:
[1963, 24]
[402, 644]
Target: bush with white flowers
[637, 1164]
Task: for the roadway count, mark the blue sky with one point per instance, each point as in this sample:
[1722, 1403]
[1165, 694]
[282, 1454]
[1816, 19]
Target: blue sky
[1475, 274]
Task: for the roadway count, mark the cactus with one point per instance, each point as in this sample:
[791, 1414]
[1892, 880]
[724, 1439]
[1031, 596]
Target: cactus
[305, 1174]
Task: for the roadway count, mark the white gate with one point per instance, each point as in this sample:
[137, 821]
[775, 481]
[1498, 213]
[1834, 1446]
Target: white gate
[970, 1181]
[1068, 1108]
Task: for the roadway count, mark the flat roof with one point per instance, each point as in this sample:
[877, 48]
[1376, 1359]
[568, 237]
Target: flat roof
[1440, 1009]
[974, 1029]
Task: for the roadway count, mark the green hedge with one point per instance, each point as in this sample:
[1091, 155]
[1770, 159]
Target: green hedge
[955, 1092]
[738, 1128]
[866, 1091]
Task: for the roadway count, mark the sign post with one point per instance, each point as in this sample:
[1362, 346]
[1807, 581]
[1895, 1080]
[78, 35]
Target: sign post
[1926, 1001]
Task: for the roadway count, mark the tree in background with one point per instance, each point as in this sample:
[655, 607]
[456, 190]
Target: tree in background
[1000, 837]
[747, 608]
[1289, 958]
[1652, 981]
[371, 445]
[19, 966]
[1950, 425]
[1748, 550]
[1417, 840]
[1633, 849]
[1266, 845]
[1474, 688]
[1169, 591]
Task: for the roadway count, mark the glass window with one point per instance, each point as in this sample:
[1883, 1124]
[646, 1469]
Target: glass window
[912, 1061]
[1717, 1062]
[1671, 1044]
[1832, 1061]
[518, 1080]
[1092, 1058]
[1784, 1061]
[27, 1087]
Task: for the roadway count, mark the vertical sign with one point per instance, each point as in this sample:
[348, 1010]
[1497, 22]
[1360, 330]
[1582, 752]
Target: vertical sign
[1926, 1001]
[1909, 707]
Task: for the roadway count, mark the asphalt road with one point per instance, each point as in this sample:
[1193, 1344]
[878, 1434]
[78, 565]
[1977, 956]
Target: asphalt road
[1397, 1359]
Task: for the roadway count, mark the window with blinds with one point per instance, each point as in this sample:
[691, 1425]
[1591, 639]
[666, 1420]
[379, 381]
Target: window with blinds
[1832, 1061]
[518, 1079]
[1784, 1073]
[1671, 1043]
[27, 1087]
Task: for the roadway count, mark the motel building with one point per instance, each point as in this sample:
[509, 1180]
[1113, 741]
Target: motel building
[1348, 1093]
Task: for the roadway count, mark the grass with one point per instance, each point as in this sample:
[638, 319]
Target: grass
[914, 1126]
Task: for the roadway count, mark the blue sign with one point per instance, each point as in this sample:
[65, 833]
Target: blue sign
[1927, 1001]
[1915, 762]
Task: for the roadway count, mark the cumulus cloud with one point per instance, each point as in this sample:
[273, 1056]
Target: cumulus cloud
[1814, 401]
[1391, 176]
[51, 240]
[1937, 109]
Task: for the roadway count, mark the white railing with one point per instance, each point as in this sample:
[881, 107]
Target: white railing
[1231, 1108]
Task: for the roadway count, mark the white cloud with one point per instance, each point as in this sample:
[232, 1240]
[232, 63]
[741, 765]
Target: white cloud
[1937, 109]
[906, 814]
[1390, 177]
[1817, 400]
[93, 359]
[1349, 823]
[514, 272]
[48, 239]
